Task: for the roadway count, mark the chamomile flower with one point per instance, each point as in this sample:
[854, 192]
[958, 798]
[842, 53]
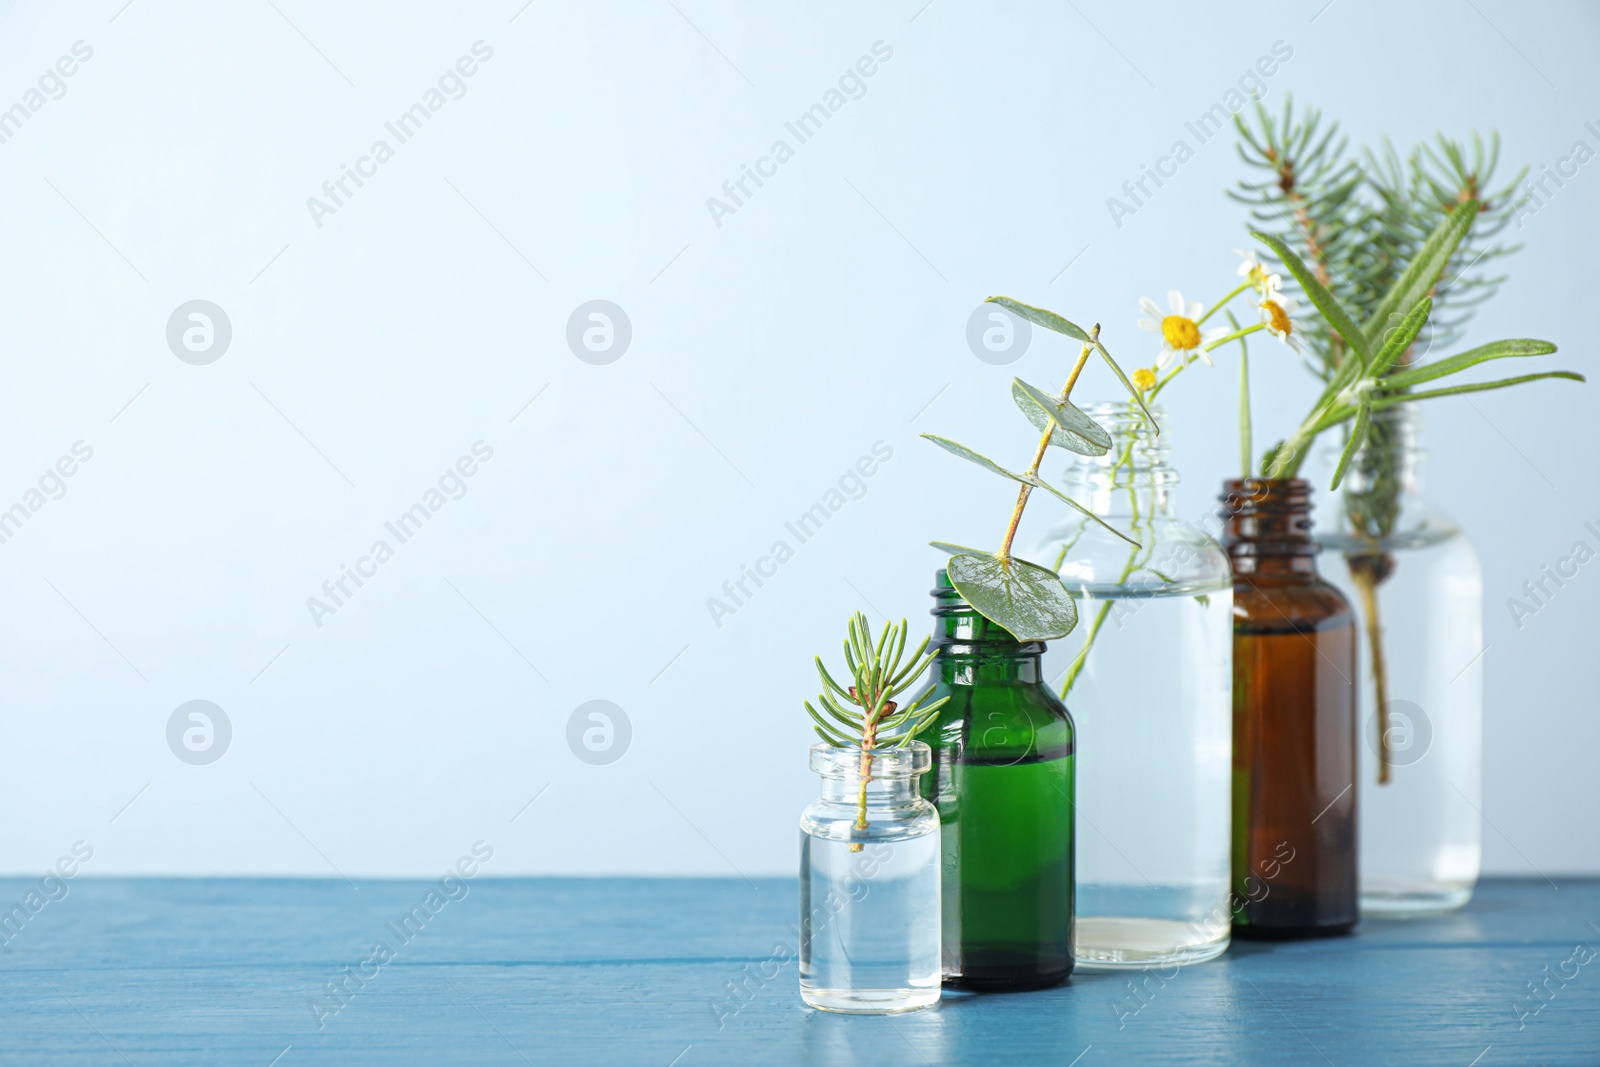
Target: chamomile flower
[1181, 336]
[1266, 284]
[1275, 313]
[1144, 379]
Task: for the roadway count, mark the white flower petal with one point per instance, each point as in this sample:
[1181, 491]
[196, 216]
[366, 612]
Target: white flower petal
[1164, 360]
[1175, 301]
[1150, 307]
[1196, 309]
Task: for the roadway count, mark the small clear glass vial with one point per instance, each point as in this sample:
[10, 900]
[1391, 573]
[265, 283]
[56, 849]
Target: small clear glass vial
[869, 884]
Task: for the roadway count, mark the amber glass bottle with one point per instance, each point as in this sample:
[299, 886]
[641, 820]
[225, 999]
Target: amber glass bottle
[1294, 721]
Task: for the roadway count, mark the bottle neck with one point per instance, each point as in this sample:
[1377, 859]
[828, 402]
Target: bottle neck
[881, 792]
[1267, 526]
[1133, 478]
[969, 648]
[892, 774]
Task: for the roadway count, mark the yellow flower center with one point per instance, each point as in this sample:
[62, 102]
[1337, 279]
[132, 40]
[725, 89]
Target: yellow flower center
[1181, 333]
[1277, 318]
[1258, 277]
[1144, 379]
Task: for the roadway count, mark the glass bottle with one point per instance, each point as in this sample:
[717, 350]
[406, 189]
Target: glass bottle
[1417, 590]
[1002, 781]
[869, 895]
[1148, 675]
[1294, 721]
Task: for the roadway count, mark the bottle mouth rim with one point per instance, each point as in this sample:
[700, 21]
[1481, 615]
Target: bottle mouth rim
[1248, 496]
[1117, 407]
[993, 638]
[830, 761]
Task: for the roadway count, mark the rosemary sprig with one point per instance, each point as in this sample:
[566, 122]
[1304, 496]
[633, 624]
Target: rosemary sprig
[1368, 384]
[1360, 226]
[864, 715]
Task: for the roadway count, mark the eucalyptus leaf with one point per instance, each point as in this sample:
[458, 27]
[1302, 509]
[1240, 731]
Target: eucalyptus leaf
[1070, 428]
[1423, 272]
[1026, 479]
[1024, 598]
[1040, 317]
[958, 550]
[1339, 318]
[1439, 368]
[1358, 434]
[1039, 483]
[968, 454]
[1138, 397]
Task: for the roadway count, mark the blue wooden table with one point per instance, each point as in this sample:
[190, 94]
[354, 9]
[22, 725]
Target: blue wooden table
[680, 973]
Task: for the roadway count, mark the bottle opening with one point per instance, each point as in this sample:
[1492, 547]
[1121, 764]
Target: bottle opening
[886, 763]
[1267, 517]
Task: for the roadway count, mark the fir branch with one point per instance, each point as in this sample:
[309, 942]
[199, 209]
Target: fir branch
[865, 715]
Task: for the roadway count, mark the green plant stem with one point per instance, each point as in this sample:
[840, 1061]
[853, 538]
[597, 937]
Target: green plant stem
[1082, 658]
[869, 738]
[1044, 443]
[861, 800]
[1366, 583]
[1220, 304]
[1235, 335]
[1246, 444]
[1155, 390]
[1133, 564]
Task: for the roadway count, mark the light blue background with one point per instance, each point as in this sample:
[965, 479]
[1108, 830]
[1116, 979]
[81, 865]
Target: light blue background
[768, 354]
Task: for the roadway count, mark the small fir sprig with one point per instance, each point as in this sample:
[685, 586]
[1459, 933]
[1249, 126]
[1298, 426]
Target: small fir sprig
[864, 715]
[1029, 601]
[1359, 222]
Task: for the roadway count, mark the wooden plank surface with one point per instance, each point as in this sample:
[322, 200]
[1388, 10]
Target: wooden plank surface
[636, 971]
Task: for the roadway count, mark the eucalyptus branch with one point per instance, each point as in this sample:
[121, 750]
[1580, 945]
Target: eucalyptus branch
[1028, 600]
[1044, 443]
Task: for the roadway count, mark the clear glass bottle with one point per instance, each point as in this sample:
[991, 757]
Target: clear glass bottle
[1148, 676]
[1294, 721]
[869, 895]
[1002, 779]
[1417, 590]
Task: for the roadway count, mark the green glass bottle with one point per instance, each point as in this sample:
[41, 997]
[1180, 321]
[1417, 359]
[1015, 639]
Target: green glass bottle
[1002, 781]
